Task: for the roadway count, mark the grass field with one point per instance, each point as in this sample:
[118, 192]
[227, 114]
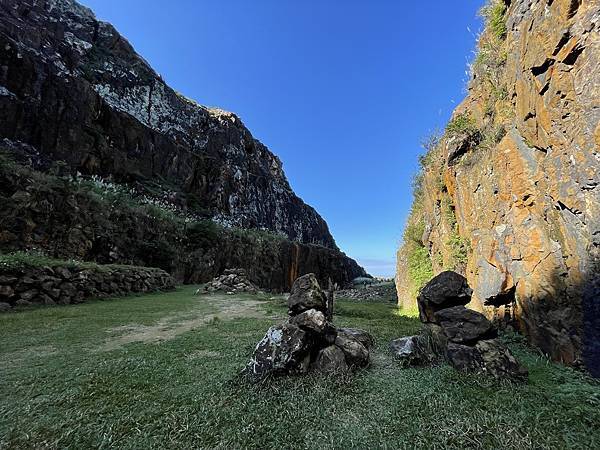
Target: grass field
[161, 371]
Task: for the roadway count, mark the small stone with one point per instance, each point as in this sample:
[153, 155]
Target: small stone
[406, 349]
[6, 292]
[444, 291]
[5, 307]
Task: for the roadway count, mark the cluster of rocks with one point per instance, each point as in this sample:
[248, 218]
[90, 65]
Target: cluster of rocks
[376, 293]
[66, 285]
[233, 281]
[463, 337]
[308, 341]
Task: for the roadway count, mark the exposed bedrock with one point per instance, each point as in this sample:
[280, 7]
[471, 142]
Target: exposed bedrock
[74, 88]
[510, 195]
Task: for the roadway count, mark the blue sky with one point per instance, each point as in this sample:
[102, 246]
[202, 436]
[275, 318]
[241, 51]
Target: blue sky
[342, 91]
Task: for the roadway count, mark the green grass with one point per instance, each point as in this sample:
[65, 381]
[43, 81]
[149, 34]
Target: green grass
[59, 390]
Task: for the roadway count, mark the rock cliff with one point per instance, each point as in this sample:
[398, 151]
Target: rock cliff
[509, 195]
[102, 161]
[73, 88]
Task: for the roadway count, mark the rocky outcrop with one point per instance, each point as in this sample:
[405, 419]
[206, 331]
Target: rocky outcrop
[464, 338]
[509, 195]
[74, 90]
[70, 283]
[89, 220]
[308, 341]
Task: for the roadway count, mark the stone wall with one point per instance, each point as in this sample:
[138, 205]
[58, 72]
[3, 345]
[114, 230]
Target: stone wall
[68, 284]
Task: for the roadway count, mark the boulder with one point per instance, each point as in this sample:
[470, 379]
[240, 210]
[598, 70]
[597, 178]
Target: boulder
[5, 307]
[463, 357]
[466, 339]
[311, 320]
[464, 326]
[359, 335]
[444, 291]
[283, 350]
[306, 294]
[499, 362]
[406, 349]
[6, 292]
[330, 360]
[356, 354]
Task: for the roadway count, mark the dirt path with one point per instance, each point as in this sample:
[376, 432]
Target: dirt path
[214, 307]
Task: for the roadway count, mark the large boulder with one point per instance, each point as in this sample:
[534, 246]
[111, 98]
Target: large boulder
[464, 326]
[284, 349]
[359, 335]
[444, 291]
[357, 355]
[330, 360]
[306, 294]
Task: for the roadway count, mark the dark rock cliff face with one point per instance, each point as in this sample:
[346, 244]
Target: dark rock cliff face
[509, 196]
[75, 90]
[91, 220]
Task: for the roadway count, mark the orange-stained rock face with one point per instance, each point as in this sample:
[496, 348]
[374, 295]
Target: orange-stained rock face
[529, 206]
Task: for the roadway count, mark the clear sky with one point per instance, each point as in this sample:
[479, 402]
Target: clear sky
[343, 91]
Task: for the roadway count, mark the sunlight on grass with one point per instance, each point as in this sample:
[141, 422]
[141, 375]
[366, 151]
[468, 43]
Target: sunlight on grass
[185, 391]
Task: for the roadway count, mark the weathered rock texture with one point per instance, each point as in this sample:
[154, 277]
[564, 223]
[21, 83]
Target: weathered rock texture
[72, 87]
[510, 196]
[464, 338]
[76, 98]
[63, 285]
[233, 281]
[308, 341]
[69, 219]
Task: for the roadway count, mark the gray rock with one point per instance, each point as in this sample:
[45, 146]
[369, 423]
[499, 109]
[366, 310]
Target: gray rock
[311, 320]
[282, 351]
[406, 349]
[5, 307]
[356, 354]
[306, 294]
[499, 362]
[464, 357]
[6, 292]
[330, 360]
[360, 335]
[444, 291]
[464, 326]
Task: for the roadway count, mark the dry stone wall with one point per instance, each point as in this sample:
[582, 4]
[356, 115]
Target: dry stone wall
[57, 284]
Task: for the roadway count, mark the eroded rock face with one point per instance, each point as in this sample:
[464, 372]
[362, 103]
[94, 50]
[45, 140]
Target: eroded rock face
[528, 206]
[307, 341]
[73, 89]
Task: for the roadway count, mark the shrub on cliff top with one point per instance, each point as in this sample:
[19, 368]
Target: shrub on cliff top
[494, 14]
